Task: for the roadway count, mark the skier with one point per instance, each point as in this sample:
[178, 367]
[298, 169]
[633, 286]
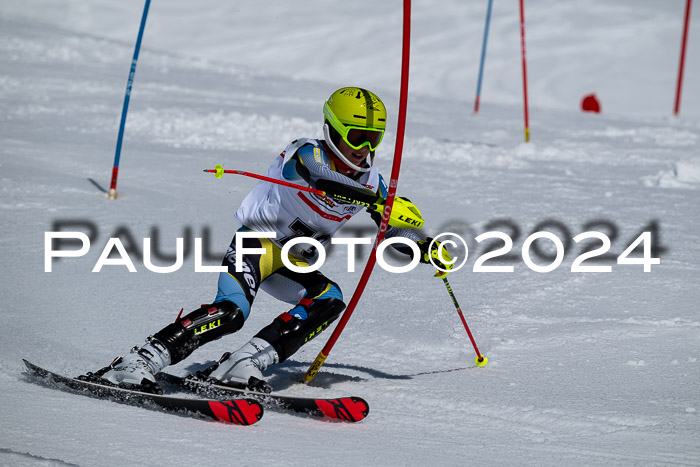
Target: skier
[354, 124]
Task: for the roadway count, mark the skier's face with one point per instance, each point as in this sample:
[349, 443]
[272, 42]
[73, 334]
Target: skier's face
[356, 156]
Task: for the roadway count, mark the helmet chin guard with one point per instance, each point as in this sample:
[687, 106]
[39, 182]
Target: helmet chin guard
[336, 151]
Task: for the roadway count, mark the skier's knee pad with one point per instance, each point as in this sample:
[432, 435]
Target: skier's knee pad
[208, 323]
[287, 333]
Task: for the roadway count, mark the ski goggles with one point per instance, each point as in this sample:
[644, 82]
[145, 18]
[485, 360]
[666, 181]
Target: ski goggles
[359, 137]
[356, 137]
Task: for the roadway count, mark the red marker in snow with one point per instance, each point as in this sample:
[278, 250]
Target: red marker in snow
[590, 103]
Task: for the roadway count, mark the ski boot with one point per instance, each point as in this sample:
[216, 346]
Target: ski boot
[136, 370]
[243, 368]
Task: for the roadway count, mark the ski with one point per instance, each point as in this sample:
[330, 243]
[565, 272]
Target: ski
[237, 411]
[349, 409]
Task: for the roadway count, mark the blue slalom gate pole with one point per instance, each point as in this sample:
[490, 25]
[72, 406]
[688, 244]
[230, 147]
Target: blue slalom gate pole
[483, 57]
[129, 83]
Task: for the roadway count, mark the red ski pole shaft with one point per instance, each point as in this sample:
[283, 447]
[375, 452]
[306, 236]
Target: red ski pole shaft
[219, 172]
[480, 359]
[268, 179]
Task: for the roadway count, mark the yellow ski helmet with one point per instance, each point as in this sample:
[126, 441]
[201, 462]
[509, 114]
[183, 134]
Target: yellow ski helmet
[357, 116]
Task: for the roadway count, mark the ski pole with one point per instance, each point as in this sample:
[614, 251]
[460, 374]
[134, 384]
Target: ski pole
[403, 214]
[480, 359]
[219, 172]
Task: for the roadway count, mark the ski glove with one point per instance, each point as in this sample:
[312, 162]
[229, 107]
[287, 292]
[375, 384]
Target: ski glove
[439, 255]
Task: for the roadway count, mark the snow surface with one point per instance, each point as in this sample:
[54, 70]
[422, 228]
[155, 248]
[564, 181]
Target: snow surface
[584, 368]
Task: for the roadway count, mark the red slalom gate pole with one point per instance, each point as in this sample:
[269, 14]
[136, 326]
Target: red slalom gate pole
[522, 42]
[681, 65]
[393, 183]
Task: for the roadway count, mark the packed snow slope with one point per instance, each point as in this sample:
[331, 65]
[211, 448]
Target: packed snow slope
[585, 368]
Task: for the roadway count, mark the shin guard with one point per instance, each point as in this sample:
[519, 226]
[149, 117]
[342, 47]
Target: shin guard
[287, 333]
[208, 323]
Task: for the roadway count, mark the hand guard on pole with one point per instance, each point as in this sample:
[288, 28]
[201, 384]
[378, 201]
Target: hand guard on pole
[435, 253]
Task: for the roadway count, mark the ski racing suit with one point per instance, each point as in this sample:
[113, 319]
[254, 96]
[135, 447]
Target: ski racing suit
[289, 213]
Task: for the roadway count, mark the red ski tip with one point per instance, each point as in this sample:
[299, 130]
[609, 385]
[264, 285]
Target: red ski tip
[351, 409]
